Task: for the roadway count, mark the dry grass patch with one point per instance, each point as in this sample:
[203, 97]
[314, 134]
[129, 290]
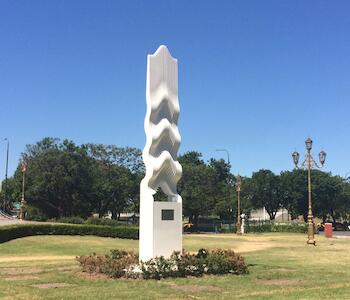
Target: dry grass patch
[22, 277]
[53, 285]
[7, 259]
[279, 282]
[20, 271]
[245, 243]
[95, 276]
[283, 270]
[197, 288]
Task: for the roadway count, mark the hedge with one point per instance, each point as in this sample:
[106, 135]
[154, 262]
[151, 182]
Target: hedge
[11, 232]
[269, 227]
[294, 228]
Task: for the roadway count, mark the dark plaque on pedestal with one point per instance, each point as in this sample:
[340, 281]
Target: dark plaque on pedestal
[167, 214]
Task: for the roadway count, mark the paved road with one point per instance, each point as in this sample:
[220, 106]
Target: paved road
[4, 221]
[341, 233]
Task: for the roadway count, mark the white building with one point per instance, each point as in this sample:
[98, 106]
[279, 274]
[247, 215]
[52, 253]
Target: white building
[261, 214]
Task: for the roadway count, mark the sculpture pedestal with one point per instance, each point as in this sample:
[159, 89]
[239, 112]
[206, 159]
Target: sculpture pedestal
[160, 230]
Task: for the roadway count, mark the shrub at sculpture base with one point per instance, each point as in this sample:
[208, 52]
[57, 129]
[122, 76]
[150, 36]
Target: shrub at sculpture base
[125, 264]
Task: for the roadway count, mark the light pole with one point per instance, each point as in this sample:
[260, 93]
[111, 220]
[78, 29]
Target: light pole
[23, 202]
[6, 170]
[238, 189]
[228, 163]
[309, 163]
[347, 177]
[228, 154]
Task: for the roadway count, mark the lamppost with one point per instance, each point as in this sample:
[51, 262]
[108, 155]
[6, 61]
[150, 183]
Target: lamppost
[6, 170]
[23, 202]
[309, 163]
[238, 190]
[228, 154]
[228, 163]
[347, 177]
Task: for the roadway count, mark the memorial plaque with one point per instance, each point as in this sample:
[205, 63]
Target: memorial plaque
[167, 215]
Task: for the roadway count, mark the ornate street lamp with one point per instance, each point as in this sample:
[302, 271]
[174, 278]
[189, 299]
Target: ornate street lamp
[238, 189]
[309, 163]
[23, 202]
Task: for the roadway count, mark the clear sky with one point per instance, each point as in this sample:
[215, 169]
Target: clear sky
[255, 77]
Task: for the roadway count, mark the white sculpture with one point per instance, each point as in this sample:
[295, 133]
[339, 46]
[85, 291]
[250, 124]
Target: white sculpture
[161, 222]
[243, 223]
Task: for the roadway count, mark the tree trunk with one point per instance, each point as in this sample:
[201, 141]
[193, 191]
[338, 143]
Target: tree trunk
[272, 214]
[114, 215]
[195, 222]
[305, 217]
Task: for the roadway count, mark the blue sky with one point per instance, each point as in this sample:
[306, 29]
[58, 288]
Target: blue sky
[255, 77]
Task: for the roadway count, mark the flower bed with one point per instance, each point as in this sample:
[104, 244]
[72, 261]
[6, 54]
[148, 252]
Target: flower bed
[125, 264]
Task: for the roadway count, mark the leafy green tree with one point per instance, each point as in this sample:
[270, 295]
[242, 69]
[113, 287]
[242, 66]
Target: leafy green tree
[196, 186]
[345, 206]
[64, 179]
[223, 189]
[294, 192]
[115, 189]
[59, 182]
[13, 192]
[128, 157]
[265, 192]
[119, 173]
[329, 194]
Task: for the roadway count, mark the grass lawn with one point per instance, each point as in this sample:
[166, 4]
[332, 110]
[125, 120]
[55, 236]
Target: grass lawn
[281, 266]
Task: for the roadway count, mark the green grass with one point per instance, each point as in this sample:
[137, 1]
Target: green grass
[281, 266]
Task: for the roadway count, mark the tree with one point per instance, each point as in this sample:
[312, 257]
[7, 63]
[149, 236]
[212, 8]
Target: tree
[223, 189]
[265, 192]
[13, 192]
[59, 182]
[196, 186]
[119, 173]
[115, 189]
[329, 194]
[294, 196]
[65, 179]
[128, 157]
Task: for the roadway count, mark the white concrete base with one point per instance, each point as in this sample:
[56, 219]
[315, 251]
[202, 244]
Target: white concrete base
[167, 233]
[161, 237]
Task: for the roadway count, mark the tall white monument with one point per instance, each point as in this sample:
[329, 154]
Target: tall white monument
[161, 222]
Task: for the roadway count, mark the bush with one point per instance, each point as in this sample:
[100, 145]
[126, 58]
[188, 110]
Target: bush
[293, 228]
[71, 220]
[11, 232]
[107, 222]
[34, 214]
[115, 265]
[125, 264]
[253, 227]
[296, 228]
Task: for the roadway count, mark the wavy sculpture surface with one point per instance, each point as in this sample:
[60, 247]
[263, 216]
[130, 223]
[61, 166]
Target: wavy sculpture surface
[160, 153]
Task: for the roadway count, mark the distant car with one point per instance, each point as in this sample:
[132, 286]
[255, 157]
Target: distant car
[187, 226]
[320, 226]
[336, 226]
